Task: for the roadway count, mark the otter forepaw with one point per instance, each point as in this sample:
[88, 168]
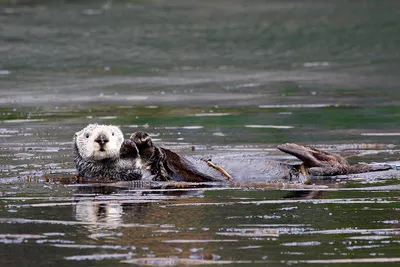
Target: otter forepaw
[128, 149]
[142, 140]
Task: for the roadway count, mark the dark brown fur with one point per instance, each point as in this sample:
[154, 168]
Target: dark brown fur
[166, 165]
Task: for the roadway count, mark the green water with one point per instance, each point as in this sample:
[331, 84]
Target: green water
[222, 76]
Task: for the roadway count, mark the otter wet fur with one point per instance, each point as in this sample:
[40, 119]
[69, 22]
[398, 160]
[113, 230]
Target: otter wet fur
[101, 152]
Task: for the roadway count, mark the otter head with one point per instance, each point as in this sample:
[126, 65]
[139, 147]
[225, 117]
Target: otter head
[98, 142]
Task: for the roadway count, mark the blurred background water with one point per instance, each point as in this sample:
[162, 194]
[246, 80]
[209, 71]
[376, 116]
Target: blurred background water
[226, 75]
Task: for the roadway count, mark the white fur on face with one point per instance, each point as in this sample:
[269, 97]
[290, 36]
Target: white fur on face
[89, 149]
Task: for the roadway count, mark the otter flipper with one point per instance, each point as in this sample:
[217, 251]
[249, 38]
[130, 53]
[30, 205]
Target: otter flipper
[322, 163]
[360, 168]
[312, 157]
[318, 162]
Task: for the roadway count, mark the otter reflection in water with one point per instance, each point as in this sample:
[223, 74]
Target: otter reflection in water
[101, 152]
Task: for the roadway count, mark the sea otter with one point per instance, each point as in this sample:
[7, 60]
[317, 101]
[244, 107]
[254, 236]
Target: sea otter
[100, 151]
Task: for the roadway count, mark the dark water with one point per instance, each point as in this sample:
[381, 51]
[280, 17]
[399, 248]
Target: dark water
[224, 76]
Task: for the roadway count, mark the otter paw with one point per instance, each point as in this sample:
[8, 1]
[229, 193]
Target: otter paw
[128, 149]
[142, 140]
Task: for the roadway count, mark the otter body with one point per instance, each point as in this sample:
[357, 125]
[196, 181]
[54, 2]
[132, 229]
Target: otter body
[100, 152]
[165, 165]
[252, 167]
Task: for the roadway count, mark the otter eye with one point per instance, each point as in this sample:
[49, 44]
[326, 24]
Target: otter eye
[87, 135]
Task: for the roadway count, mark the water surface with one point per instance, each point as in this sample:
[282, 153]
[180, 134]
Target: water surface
[224, 77]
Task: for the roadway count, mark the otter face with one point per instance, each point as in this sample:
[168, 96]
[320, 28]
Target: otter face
[97, 142]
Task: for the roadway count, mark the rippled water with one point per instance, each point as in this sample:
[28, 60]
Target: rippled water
[224, 77]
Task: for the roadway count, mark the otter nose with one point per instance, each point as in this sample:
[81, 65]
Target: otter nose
[101, 139]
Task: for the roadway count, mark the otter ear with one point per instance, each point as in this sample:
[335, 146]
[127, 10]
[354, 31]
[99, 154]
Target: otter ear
[75, 138]
[78, 133]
